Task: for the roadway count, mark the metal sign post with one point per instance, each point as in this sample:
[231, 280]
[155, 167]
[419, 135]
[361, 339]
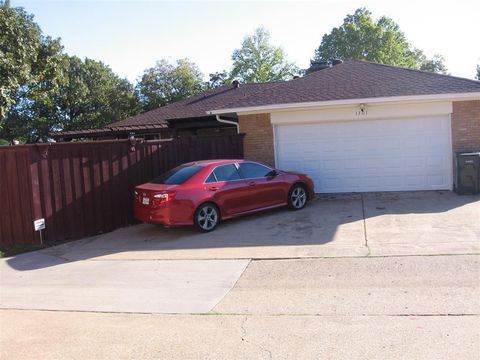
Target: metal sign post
[39, 225]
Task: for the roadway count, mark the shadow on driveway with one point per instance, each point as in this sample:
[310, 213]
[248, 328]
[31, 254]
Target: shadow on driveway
[343, 225]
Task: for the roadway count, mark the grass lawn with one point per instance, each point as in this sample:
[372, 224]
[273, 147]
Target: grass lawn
[15, 249]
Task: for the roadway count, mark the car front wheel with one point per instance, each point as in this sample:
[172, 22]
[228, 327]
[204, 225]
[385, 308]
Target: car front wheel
[297, 198]
[207, 217]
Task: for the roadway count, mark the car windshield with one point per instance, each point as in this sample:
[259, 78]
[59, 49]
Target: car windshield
[177, 175]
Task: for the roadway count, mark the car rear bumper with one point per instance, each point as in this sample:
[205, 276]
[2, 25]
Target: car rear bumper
[155, 216]
[148, 215]
[163, 215]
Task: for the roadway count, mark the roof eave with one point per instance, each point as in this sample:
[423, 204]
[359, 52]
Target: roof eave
[345, 102]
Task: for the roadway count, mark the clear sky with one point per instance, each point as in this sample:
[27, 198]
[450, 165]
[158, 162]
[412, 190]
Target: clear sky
[130, 36]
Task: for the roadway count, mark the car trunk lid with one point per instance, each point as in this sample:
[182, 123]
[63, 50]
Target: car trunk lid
[153, 195]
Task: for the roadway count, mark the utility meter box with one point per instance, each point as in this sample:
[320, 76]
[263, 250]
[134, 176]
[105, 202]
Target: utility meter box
[468, 173]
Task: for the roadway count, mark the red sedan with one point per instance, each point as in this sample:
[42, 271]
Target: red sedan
[204, 192]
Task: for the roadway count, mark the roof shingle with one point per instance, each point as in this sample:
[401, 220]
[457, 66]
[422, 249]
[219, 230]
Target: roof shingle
[353, 79]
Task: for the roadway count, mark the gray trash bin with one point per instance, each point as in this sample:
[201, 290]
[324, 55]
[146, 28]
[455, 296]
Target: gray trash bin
[468, 173]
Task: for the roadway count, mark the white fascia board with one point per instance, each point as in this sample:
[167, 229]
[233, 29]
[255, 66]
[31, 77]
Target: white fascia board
[372, 111]
[321, 104]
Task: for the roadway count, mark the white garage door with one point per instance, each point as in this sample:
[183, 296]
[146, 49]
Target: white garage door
[373, 155]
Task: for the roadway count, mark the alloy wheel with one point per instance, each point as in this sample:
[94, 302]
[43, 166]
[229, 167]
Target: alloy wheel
[298, 197]
[207, 217]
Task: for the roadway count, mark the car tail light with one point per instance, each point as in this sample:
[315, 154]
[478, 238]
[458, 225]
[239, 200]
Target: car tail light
[162, 198]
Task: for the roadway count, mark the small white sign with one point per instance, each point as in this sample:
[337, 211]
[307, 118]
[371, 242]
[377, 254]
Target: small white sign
[39, 224]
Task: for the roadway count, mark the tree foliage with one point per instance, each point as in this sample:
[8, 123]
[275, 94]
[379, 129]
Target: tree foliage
[42, 89]
[94, 96]
[87, 95]
[165, 83]
[381, 41]
[259, 61]
[218, 79]
[478, 72]
[435, 65]
[27, 58]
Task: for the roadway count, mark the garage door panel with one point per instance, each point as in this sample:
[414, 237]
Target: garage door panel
[435, 180]
[393, 182]
[414, 163]
[354, 164]
[330, 183]
[368, 182]
[310, 167]
[374, 163]
[434, 162]
[331, 165]
[375, 155]
[415, 180]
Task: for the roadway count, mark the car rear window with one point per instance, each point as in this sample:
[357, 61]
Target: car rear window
[177, 175]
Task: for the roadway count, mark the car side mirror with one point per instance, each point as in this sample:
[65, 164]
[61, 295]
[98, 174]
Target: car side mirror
[272, 173]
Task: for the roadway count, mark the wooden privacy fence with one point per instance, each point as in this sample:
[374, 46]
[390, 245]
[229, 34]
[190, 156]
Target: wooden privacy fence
[86, 188]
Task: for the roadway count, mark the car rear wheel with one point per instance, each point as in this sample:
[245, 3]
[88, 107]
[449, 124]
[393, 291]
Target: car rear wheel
[297, 197]
[207, 217]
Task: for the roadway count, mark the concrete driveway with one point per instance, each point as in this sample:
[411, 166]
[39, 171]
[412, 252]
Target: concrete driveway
[104, 273]
[412, 223]
[377, 276]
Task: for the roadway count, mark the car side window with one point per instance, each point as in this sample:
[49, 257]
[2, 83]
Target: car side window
[253, 170]
[226, 173]
[211, 178]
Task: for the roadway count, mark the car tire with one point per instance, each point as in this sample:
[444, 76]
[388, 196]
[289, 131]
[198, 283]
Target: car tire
[206, 217]
[297, 197]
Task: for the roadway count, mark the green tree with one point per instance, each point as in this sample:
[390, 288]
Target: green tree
[166, 83]
[435, 65]
[218, 79]
[94, 96]
[43, 90]
[27, 58]
[381, 41]
[87, 95]
[259, 61]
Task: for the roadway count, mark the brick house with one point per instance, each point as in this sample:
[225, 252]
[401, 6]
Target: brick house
[355, 126]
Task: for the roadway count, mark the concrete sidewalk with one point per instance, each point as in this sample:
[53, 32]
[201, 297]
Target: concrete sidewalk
[40, 281]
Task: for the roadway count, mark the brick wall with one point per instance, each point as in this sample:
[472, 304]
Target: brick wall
[466, 126]
[258, 141]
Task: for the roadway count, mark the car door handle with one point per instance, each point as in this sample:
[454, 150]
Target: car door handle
[213, 188]
[251, 183]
